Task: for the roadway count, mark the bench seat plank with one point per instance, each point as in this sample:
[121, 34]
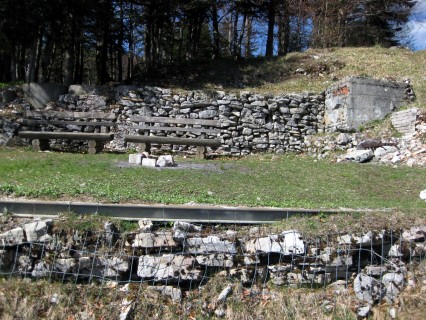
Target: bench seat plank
[66, 135]
[173, 140]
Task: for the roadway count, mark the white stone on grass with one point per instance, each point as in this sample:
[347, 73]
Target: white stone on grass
[149, 162]
[165, 161]
[359, 156]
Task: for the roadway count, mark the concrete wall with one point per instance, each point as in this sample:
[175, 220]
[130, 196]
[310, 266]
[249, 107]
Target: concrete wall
[355, 101]
[39, 94]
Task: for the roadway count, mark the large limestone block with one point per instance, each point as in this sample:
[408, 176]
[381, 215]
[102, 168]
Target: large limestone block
[286, 243]
[154, 240]
[216, 260]
[167, 267]
[208, 244]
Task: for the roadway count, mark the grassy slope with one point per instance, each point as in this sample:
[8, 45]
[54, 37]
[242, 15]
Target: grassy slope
[323, 67]
[284, 181]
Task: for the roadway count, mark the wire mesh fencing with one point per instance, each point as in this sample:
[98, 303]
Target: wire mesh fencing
[181, 258]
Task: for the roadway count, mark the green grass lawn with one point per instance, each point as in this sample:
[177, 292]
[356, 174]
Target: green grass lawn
[262, 180]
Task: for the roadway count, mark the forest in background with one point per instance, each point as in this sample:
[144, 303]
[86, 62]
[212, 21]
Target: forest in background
[101, 41]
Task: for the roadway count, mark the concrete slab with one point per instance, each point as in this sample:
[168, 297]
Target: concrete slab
[355, 101]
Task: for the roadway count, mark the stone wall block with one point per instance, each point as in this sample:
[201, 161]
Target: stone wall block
[168, 267]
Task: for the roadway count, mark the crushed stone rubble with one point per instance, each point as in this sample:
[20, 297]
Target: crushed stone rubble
[173, 257]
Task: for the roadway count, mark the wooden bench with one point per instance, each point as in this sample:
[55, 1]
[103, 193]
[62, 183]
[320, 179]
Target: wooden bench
[175, 131]
[97, 123]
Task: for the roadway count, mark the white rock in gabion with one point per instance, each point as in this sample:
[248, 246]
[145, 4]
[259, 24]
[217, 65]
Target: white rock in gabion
[395, 251]
[37, 231]
[168, 266]
[40, 270]
[392, 277]
[368, 289]
[286, 243]
[65, 265]
[186, 227]
[216, 260]
[151, 240]
[181, 229]
[12, 237]
[423, 195]
[392, 293]
[415, 234]
[209, 244]
[145, 225]
[115, 263]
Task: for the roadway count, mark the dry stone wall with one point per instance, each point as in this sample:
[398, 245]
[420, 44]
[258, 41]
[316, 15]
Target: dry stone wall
[250, 122]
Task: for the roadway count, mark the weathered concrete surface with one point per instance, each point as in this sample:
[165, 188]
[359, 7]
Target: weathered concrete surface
[355, 101]
[86, 89]
[405, 121]
[39, 94]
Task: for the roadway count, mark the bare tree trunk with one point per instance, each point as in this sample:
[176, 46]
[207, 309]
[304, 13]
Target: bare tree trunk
[120, 44]
[30, 63]
[249, 29]
[242, 32]
[216, 34]
[13, 69]
[271, 24]
[235, 35]
[283, 28]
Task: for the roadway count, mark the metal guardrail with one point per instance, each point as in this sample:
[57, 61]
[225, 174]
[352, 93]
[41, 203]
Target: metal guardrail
[189, 213]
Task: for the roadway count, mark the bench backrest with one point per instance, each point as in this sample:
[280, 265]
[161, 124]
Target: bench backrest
[176, 124]
[64, 118]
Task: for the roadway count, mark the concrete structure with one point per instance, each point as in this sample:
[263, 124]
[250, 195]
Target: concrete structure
[355, 101]
[39, 94]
